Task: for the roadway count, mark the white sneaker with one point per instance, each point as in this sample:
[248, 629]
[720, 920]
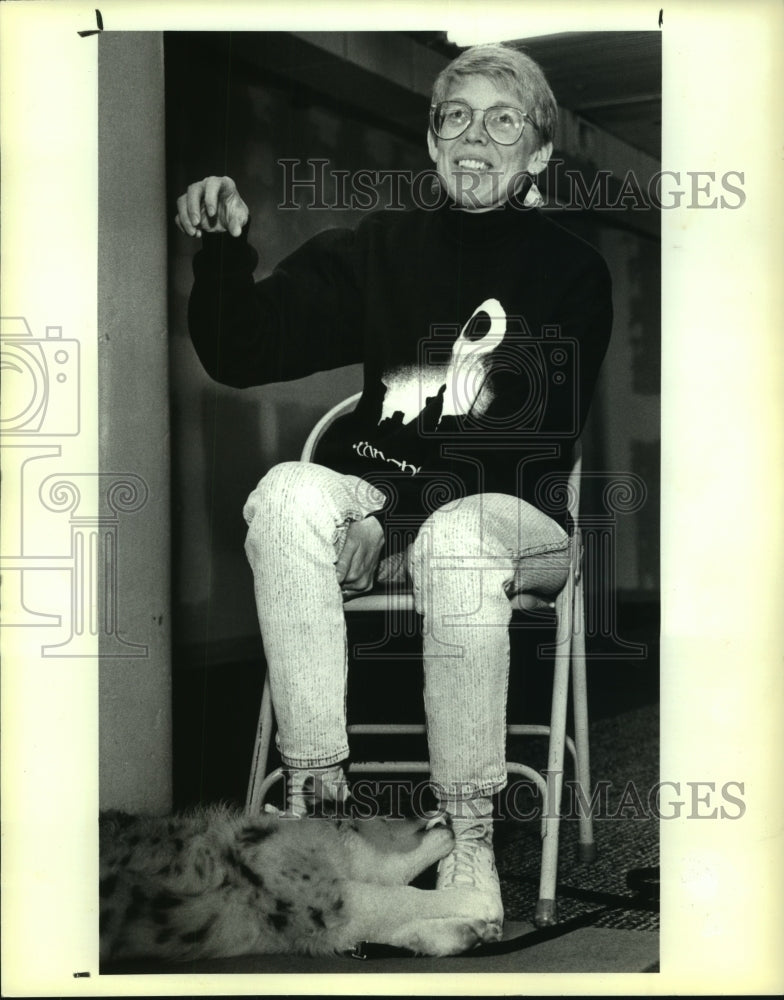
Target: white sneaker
[471, 865]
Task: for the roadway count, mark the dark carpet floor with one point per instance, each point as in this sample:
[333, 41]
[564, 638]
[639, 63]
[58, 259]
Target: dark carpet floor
[621, 886]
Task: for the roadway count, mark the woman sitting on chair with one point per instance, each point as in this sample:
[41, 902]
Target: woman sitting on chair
[481, 326]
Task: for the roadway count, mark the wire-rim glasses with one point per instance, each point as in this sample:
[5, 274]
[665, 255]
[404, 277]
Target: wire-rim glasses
[503, 123]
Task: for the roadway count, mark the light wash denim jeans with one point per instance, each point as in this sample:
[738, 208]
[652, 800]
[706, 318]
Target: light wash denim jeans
[468, 559]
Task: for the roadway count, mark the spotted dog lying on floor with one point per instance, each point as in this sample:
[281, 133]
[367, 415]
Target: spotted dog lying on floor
[218, 883]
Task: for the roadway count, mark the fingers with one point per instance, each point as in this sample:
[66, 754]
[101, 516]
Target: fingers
[194, 198]
[212, 205]
[213, 188]
[183, 217]
[359, 577]
[344, 559]
[350, 567]
[238, 215]
[358, 560]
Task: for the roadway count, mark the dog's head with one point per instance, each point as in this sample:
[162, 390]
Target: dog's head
[392, 850]
[392, 834]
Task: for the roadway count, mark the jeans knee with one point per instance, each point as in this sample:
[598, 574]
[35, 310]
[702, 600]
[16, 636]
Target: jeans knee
[457, 560]
[287, 487]
[456, 530]
[446, 558]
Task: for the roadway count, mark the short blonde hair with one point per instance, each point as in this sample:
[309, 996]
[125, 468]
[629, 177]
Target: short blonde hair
[512, 68]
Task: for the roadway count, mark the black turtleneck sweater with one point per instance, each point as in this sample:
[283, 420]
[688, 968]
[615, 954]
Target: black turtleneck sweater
[481, 336]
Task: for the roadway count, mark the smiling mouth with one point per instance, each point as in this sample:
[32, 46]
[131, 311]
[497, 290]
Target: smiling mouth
[466, 163]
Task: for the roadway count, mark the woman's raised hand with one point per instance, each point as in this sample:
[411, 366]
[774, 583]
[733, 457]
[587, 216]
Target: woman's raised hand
[211, 206]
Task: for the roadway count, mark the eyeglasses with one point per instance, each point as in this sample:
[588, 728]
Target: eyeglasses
[504, 125]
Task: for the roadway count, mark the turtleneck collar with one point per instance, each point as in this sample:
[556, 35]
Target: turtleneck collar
[496, 225]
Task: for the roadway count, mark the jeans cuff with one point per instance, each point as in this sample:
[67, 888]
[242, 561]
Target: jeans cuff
[467, 790]
[302, 763]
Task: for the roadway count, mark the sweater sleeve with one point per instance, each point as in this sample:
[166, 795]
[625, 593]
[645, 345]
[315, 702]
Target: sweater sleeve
[303, 318]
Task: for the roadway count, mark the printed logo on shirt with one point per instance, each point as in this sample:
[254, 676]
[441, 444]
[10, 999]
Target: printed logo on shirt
[366, 450]
[458, 387]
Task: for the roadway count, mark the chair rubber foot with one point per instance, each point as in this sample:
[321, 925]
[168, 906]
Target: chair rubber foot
[546, 913]
[587, 853]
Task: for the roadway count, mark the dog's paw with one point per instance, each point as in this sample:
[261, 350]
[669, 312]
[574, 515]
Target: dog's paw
[448, 936]
[438, 841]
[464, 902]
[434, 819]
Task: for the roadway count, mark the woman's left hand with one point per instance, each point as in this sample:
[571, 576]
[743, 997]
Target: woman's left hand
[358, 561]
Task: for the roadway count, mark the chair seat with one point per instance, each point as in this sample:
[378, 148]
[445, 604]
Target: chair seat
[382, 600]
[400, 600]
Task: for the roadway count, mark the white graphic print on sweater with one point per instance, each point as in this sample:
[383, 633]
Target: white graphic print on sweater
[462, 382]
[456, 388]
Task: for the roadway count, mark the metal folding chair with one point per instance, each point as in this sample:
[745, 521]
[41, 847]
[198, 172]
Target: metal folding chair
[569, 656]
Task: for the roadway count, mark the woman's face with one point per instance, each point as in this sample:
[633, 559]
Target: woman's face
[479, 173]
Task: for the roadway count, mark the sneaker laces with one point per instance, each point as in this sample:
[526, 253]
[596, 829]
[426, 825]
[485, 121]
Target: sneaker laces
[471, 862]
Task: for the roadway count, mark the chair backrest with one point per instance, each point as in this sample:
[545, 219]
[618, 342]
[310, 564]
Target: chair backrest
[347, 405]
[319, 429]
[573, 502]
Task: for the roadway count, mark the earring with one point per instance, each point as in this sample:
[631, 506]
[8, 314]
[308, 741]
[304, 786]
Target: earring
[533, 197]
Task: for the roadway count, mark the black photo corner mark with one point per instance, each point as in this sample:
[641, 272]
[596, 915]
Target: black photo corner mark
[93, 31]
[661, 16]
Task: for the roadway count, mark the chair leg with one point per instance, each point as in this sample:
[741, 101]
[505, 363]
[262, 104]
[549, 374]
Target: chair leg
[587, 846]
[546, 909]
[256, 790]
